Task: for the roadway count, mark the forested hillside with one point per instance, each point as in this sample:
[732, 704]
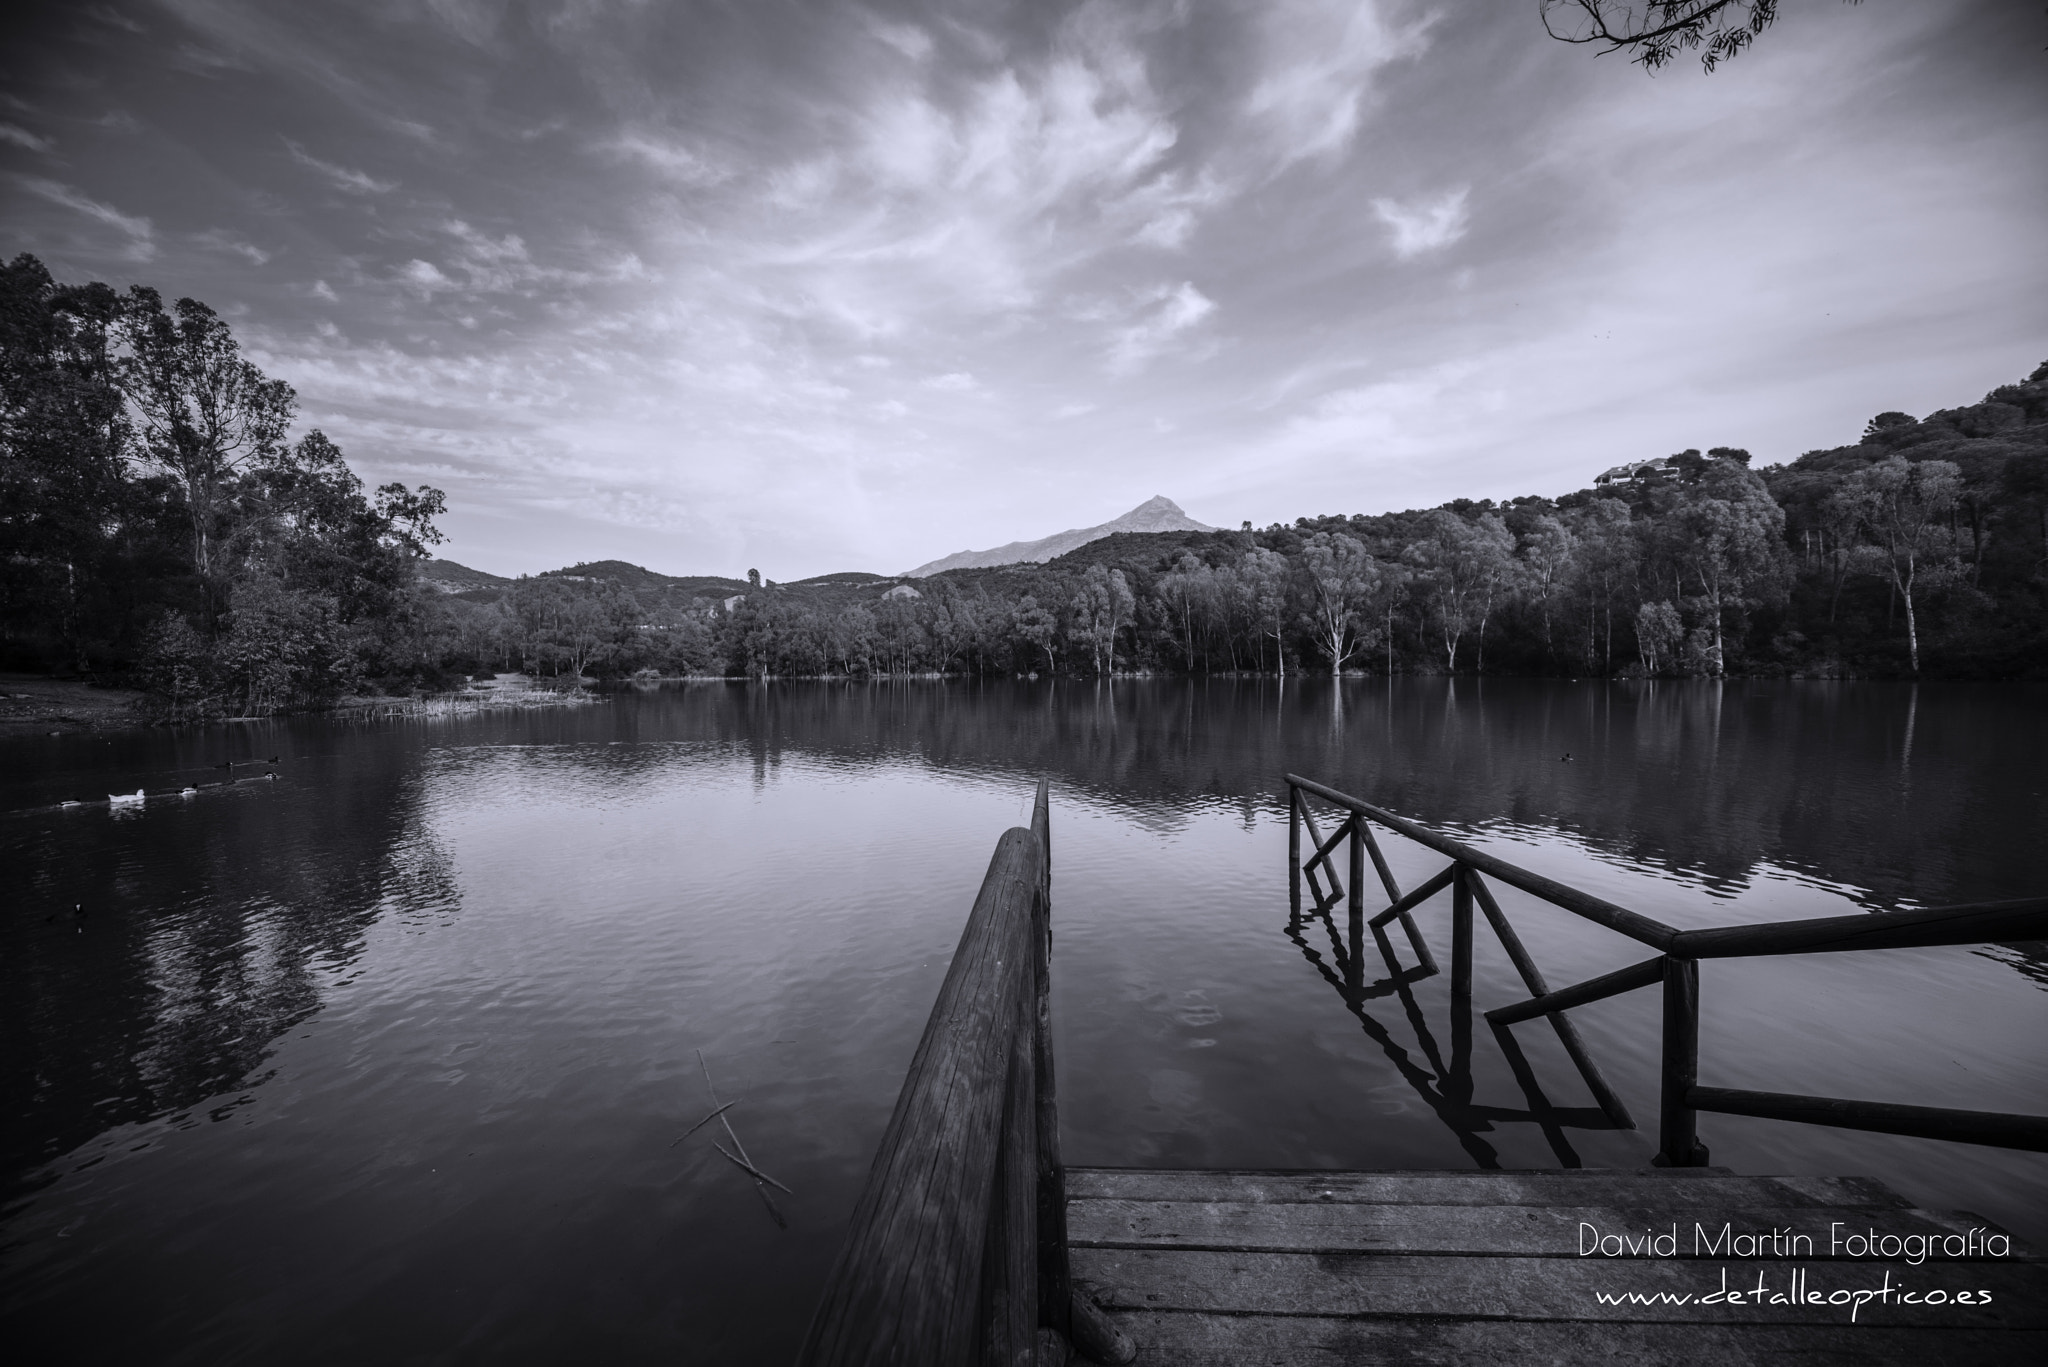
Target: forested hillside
[159, 525]
[1916, 551]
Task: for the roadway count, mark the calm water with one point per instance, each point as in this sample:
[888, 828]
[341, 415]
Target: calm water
[385, 1060]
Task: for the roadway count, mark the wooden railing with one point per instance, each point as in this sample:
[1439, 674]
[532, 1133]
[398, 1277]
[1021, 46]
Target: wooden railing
[957, 1251]
[1675, 967]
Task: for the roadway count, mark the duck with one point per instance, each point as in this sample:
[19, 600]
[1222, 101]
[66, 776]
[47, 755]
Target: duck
[125, 799]
[188, 791]
[1567, 757]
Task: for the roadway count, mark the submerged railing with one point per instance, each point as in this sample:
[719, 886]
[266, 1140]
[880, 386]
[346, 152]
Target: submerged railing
[1675, 967]
[957, 1252]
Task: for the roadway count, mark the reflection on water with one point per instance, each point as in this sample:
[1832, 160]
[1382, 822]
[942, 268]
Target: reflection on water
[389, 1057]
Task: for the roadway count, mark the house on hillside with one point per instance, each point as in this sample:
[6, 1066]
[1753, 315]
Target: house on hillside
[1636, 469]
[903, 591]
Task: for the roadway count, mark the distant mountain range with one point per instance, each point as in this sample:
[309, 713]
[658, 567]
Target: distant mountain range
[1157, 514]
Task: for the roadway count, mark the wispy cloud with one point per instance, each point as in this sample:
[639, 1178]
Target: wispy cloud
[141, 234]
[676, 158]
[1423, 225]
[1169, 314]
[1320, 58]
[21, 137]
[233, 243]
[341, 177]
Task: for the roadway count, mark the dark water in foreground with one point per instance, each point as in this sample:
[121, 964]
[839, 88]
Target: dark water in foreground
[383, 1061]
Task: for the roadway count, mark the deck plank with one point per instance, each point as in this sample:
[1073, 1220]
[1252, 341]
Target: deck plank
[1496, 1230]
[1204, 1340]
[1628, 1188]
[1544, 1288]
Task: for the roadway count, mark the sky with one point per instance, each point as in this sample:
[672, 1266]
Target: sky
[838, 286]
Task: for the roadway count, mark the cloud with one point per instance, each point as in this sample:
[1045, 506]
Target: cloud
[954, 382]
[21, 137]
[1424, 225]
[234, 244]
[1172, 313]
[342, 177]
[322, 290]
[908, 39]
[424, 276]
[1320, 56]
[675, 159]
[141, 234]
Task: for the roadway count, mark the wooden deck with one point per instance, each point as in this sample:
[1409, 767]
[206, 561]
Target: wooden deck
[1200, 1267]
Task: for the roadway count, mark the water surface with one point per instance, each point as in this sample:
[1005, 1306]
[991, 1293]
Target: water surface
[385, 1059]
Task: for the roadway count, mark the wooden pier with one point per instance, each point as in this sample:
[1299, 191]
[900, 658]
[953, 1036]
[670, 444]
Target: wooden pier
[973, 1243]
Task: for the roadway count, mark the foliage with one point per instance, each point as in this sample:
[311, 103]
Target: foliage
[160, 524]
[1920, 549]
[1656, 31]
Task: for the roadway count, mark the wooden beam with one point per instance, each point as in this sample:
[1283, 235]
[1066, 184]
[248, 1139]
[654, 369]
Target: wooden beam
[908, 1284]
[1996, 1129]
[1421, 894]
[1973, 923]
[1567, 1033]
[1055, 1275]
[1678, 1124]
[1592, 990]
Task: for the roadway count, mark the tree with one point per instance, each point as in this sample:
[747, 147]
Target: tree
[1606, 562]
[1548, 549]
[1103, 602]
[1459, 565]
[1658, 30]
[1265, 574]
[1342, 580]
[1187, 590]
[1499, 572]
[1726, 534]
[1904, 507]
[1658, 633]
[1037, 627]
[205, 414]
[63, 443]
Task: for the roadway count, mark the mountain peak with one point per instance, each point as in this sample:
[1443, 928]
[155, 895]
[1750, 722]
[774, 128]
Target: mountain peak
[1156, 514]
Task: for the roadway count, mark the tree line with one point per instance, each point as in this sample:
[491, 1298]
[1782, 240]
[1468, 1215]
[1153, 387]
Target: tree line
[1919, 550]
[159, 525]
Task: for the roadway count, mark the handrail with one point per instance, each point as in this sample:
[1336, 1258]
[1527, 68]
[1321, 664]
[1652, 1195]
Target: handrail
[1970, 923]
[909, 1283]
[957, 1250]
[1632, 924]
[1676, 968]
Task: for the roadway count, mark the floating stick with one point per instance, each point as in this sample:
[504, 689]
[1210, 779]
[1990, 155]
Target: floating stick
[760, 1175]
[702, 1123]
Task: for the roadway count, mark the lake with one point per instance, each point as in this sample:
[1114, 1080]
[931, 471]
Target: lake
[387, 1059]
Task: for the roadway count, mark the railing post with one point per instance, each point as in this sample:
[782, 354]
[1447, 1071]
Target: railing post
[1461, 943]
[1678, 1124]
[1461, 986]
[1355, 904]
[1294, 853]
